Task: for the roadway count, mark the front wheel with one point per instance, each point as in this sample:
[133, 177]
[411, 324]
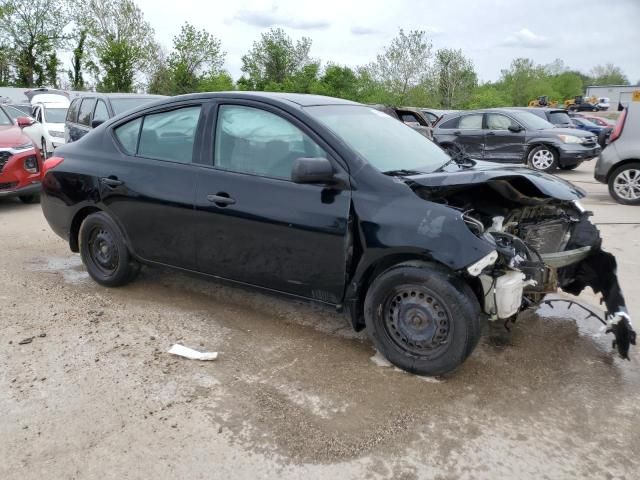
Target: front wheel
[104, 251]
[624, 184]
[543, 158]
[422, 319]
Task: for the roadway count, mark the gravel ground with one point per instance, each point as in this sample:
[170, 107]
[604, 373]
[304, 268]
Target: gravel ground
[87, 390]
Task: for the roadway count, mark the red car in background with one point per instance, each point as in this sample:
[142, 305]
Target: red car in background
[20, 161]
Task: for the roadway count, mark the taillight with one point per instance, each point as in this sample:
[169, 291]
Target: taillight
[617, 130]
[51, 163]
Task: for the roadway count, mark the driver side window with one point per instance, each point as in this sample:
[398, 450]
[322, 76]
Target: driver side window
[254, 141]
[496, 121]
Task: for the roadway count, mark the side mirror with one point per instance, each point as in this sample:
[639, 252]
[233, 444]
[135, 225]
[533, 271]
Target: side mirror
[25, 121]
[312, 170]
[515, 128]
[96, 123]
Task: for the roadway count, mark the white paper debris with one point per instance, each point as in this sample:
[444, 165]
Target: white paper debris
[192, 354]
[380, 361]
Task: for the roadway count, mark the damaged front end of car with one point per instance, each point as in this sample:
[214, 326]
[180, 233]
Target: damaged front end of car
[543, 239]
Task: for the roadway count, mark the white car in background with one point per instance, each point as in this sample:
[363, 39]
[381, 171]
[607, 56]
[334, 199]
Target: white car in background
[50, 110]
[35, 131]
[603, 103]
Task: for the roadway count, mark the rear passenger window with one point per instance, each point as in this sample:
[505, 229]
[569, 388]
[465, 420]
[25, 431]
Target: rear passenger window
[453, 123]
[72, 113]
[472, 122]
[127, 135]
[86, 107]
[170, 135]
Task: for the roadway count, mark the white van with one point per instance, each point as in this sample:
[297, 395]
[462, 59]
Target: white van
[50, 109]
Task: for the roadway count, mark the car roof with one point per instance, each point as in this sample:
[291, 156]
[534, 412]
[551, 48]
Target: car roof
[541, 109]
[299, 99]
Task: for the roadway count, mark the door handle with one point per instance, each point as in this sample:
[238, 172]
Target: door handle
[111, 181]
[456, 133]
[490, 133]
[221, 199]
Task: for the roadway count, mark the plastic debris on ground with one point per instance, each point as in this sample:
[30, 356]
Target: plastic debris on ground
[192, 354]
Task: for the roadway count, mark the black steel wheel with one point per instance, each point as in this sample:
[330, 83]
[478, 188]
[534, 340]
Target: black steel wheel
[104, 251]
[422, 318]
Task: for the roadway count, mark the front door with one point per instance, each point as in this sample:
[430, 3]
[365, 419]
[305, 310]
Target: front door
[254, 224]
[150, 189]
[500, 143]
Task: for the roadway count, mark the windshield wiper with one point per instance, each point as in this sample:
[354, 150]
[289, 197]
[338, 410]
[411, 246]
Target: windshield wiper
[402, 172]
[458, 160]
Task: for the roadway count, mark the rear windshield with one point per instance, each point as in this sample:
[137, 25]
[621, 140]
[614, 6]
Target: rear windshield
[559, 118]
[123, 104]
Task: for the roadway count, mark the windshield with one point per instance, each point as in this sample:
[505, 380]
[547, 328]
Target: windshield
[559, 118]
[15, 113]
[123, 104]
[532, 121]
[4, 118]
[55, 115]
[379, 139]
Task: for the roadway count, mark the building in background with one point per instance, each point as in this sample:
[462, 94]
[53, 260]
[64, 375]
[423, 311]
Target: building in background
[615, 93]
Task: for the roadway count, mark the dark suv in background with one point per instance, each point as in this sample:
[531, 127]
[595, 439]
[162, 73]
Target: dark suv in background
[514, 136]
[88, 111]
[557, 116]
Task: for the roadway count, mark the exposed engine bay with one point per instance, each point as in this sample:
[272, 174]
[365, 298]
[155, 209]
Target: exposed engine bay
[542, 244]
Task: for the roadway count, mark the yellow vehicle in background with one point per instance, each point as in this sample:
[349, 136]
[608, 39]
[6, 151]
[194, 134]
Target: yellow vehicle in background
[581, 104]
[543, 101]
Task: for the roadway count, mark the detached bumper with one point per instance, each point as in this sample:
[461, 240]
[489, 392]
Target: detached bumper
[31, 189]
[572, 155]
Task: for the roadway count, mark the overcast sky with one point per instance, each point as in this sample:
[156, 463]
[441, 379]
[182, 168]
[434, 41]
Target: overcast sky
[583, 33]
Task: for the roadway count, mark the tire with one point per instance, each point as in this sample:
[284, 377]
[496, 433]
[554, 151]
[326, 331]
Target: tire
[543, 158]
[104, 251]
[624, 184]
[570, 167]
[26, 199]
[422, 318]
[45, 154]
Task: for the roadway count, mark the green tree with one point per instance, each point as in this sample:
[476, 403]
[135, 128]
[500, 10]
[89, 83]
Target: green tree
[76, 77]
[52, 66]
[120, 41]
[338, 81]
[274, 59]
[567, 85]
[454, 78]
[34, 29]
[608, 74]
[196, 54]
[404, 63]
[218, 82]
[525, 81]
[489, 95]
[6, 65]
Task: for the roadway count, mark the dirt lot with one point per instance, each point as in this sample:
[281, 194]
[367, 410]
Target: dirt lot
[294, 393]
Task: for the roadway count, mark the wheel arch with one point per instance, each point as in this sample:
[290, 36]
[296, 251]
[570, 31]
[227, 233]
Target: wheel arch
[620, 164]
[360, 286]
[78, 218]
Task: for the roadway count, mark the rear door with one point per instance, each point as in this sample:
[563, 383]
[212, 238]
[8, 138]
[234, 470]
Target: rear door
[150, 190]
[500, 143]
[469, 136]
[254, 225]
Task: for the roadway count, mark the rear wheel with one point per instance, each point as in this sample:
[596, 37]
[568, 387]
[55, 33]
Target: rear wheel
[543, 158]
[624, 184]
[422, 319]
[104, 251]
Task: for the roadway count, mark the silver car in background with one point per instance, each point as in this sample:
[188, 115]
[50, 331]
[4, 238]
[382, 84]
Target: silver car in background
[619, 163]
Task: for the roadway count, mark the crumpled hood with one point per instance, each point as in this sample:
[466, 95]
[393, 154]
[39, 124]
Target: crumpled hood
[481, 172]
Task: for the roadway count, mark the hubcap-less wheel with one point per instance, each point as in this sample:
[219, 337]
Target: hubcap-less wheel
[542, 159]
[103, 250]
[627, 184]
[417, 321]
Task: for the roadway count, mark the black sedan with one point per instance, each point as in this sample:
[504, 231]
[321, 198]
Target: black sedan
[326, 200]
[514, 136]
